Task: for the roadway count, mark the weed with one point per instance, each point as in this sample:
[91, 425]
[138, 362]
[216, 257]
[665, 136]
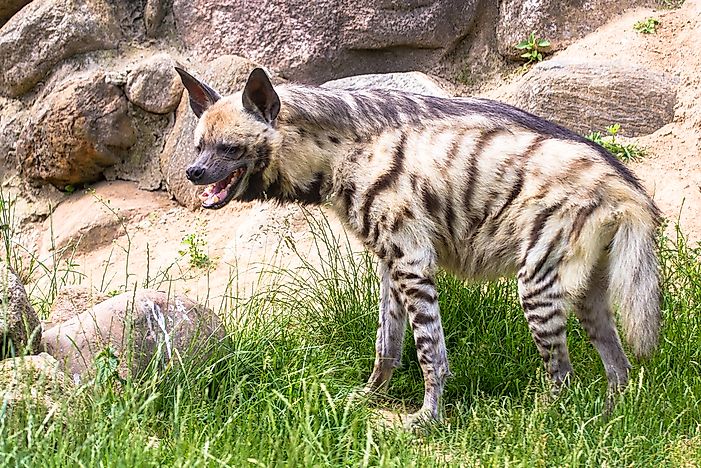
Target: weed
[624, 152]
[647, 26]
[194, 248]
[533, 48]
[106, 368]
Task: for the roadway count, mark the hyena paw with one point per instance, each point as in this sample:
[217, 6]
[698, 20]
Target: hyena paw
[422, 420]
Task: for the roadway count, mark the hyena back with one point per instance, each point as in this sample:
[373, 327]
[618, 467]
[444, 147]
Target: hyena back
[476, 187]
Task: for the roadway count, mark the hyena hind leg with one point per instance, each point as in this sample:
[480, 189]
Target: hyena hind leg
[593, 309]
[390, 333]
[544, 304]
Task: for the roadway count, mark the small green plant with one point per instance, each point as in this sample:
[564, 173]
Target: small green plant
[533, 48]
[194, 248]
[621, 151]
[647, 26]
[106, 368]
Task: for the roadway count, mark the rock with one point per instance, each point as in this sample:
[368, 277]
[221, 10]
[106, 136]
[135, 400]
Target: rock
[9, 8]
[413, 82]
[226, 74]
[33, 380]
[319, 41]
[589, 96]
[138, 327]
[154, 12]
[13, 118]
[76, 132]
[20, 329]
[47, 31]
[91, 220]
[72, 300]
[154, 85]
[559, 22]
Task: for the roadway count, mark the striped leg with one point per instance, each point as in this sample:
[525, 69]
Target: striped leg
[417, 290]
[595, 315]
[390, 333]
[544, 307]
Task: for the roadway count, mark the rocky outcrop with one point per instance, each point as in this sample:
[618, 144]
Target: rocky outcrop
[45, 32]
[226, 74]
[154, 86]
[412, 82]
[33, 382]
[559, 22]
[589, 96]
[13, 118]
[318, 41]
[20, 330]
[143, 328]
[76, 132]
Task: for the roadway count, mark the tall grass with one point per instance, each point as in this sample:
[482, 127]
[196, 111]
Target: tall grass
[278, 391]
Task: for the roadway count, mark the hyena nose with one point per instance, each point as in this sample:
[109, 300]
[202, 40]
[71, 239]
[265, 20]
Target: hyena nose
[194, 173]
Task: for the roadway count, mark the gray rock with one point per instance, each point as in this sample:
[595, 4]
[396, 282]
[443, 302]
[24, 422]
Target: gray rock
[589, 96]
[226, 74]
[154, 12]
[413, 82]
[139, 327]
[20, 329]
[13, 118]
[322, 40]
[559, 22]
[47, 31]
[33, 381]
[9, 8]
[154, 86]
[76, 132]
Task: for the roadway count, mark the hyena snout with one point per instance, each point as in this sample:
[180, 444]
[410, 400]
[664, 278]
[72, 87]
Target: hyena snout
[194, 173]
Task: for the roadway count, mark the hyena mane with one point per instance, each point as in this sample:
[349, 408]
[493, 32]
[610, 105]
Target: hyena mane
[477, 187]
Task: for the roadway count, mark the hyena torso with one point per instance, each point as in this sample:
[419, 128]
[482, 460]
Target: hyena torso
[479, 188]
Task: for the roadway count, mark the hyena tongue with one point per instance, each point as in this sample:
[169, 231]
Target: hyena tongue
[213, 198]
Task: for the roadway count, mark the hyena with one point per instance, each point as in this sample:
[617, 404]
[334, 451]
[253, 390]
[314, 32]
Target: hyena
[473, 186]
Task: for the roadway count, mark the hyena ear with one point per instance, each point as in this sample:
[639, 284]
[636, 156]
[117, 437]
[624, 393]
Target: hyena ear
[259, 97]
[201, 95]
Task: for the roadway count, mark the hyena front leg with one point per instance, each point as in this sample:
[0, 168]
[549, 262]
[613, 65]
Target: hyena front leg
[390, 333]
[413, 278]
[544, 306]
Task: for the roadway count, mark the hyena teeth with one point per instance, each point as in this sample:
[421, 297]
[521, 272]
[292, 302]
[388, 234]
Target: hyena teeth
[477, 187]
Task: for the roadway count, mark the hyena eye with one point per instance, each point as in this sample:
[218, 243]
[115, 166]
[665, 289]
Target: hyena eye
[198, 147]
[228, 149]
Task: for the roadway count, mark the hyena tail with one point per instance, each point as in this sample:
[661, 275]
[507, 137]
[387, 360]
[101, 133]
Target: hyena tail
[635, 280]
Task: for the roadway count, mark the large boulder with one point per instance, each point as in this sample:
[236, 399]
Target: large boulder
[589, 96]
[76, 131]
[154, 85]
[318, 41]
[559, 22]
[20, 329]
[47, 31]
[33, 383]
[141, 328]
[226, 74]
[13, 118]
[412, 82]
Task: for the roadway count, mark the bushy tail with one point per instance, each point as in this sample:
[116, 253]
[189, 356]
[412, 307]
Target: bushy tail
[635, 281]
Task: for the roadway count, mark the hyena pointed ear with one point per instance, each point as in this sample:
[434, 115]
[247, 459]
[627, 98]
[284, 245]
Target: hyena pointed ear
[259, 97]
[201, 95]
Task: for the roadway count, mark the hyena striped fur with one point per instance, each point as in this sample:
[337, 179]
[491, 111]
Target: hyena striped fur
[473, 186]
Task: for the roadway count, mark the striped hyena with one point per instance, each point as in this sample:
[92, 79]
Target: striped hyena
[474, 186]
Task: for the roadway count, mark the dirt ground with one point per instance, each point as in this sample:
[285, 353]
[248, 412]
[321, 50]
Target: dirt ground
[119, 236]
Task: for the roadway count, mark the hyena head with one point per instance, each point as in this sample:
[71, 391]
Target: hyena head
[234, 139]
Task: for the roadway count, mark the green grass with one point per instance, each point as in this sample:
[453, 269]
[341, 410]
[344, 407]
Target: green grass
[622, 151]
[277, 391]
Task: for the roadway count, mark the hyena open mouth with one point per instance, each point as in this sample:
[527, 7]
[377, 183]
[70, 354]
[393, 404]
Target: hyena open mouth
[220, 193]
